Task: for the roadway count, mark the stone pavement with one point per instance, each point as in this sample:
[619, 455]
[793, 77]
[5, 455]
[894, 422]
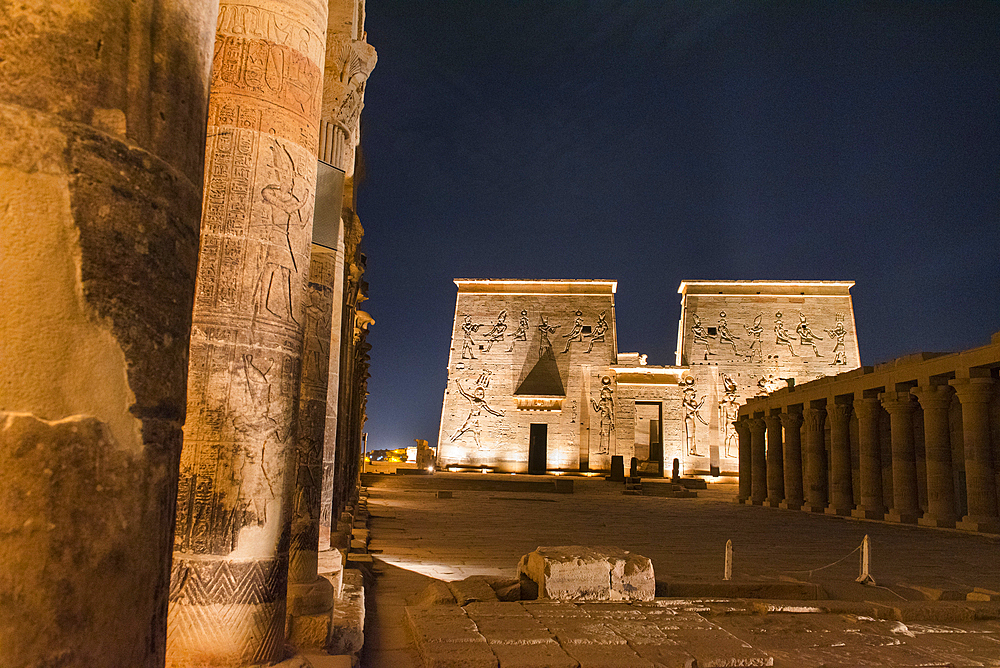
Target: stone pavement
[417, 538]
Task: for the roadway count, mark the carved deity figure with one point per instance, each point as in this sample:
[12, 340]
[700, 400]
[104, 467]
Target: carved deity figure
[838, 333]
[755, 332]
[544, 329]
[724, 334]
[496, 334]
[521, 333]
[285, 197]
[781, 335]
[806, 337]
[599, 330]
[729, 409]
[605, 407]
[478, 404]
[700, 335]
[768, 383]
[575, 334]
[691, 412]
[468, 345]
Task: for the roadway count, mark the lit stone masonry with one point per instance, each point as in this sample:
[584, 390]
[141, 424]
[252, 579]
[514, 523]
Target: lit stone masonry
[913, 440]
[102, 134]
[227, 597]
[743, 339]
[578, 573]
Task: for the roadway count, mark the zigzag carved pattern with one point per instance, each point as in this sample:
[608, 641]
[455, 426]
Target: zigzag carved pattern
[225, 634]
[226, 582]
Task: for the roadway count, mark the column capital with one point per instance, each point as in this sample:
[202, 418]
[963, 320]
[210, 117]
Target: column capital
[757, 425]
[933, 396]
[974, 390]
[838, 412]
[791, 420]
[772, 421]
[742, 426]
[867, 408]
[898, 402]
[814, 418]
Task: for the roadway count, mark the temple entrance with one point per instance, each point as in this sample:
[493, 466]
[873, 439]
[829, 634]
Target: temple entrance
[537, 448]
[649, 433]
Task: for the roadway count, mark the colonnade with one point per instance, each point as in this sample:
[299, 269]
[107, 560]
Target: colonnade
[914, 441]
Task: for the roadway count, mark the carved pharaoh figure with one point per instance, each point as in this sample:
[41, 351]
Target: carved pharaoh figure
[496, 334]
[691, 412]
[605, 407]
[468, 345]
[781, 335]
[755, 345]
[806, 337]
[599, 330]
[471, 424]
[521, 333]
[838, 333]
[575, 334]
[544, 329]
[725, 336]
[729, 409]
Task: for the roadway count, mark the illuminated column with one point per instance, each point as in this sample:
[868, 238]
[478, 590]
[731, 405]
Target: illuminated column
[975, 395]
[775, 463]
[841, 492]
[900, 407]
[743, 434]
[102, 131]
[816, 478]
[869, 411]
[234, 502]
[792, 423]
[935, 400]
[758, 462]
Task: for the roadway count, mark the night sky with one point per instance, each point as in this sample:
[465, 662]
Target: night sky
[651, 142]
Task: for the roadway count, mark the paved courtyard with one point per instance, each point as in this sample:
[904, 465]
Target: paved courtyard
[417, 538]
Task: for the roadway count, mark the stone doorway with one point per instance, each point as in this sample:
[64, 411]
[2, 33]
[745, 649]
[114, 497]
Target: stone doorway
[537, 448]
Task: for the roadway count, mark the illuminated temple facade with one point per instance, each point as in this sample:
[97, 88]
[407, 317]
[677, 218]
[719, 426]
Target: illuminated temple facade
[536, 383]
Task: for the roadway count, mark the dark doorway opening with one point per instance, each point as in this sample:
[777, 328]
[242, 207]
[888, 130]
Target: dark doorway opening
[537, 448]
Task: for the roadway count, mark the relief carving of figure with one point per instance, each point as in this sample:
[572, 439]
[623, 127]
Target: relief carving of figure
[724, 335]
[806, 337]
[605, 407]
[729, 409]
[496, 334]
[691, 412]
[755, 332]
[838, 333]
[521, 333]
[700, 335]
[544, 329]
[478, 404]
[285, 198]
[769, 383]
[468, 345]
[575, 334]
[781, 335]
[599, 330]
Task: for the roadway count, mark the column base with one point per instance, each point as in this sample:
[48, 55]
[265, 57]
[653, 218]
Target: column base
[902, 518]
[863, 513]
[757, 502]
[931, 521]
[773, 503]
[979, 524]
[790, 505]
[843, 511]
[814, 509]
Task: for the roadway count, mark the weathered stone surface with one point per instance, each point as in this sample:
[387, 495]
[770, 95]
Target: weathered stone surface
[308, 631]
[513, 630]
[589, 574]
[436, 593]
[535, 655]
[457, 655]
[474, 588]
[347, 633]
[607, 656]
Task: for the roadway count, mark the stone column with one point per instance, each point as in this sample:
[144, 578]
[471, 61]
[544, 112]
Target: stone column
[841, 491]
[980, 478]
[742, 426]
[935, 400]
[758, 462]
[816, 478]
[869, 412]
[234, 503]
[775, 462]
[102, 131]
[900, 407]
[792, 423]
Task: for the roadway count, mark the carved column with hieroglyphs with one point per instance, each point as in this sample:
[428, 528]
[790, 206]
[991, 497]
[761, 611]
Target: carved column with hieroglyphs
[231, 546]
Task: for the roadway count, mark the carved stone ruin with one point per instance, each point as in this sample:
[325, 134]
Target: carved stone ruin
[576, 573]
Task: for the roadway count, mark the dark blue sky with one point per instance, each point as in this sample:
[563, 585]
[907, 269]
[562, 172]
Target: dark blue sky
[651, 142]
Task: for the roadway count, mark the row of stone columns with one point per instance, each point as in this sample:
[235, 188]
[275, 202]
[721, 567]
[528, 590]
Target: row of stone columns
[771, 459]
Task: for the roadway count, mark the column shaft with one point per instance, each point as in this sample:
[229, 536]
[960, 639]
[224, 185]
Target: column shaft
[975, 395]
[775, 462]
[234, 504]
[900, 407]
[841, 491]
[935, 402]
[792, 423]
[743, 434]
[869, 413]
[758, 462]
[816, 475]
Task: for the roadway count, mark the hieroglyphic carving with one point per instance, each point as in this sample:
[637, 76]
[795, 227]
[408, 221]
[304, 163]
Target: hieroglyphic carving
[691, 406]
[754, 333]
[544, 329]
[521, 333]
[605, 407]
[781, 335]
[838, 332]
[729, 408]
[599, 330]
[724, 334]
[478, 404]
[806, 336]
[258, 23]
[468, 345]
[575, 334]
[701, 335]
[496, 334]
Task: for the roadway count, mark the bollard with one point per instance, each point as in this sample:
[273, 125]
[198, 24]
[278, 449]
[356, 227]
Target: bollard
[728, 575]
[865, 577]
[676, 476]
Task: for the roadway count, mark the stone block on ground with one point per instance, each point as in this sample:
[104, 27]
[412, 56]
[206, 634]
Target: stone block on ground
[536, 655]
[444, 623]
[457, 655]
[436, 593]
[513, 630]
[474, 588]
[607, 656]
[347, 631]
[579, 573]
[481, 609]
[309, 631]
